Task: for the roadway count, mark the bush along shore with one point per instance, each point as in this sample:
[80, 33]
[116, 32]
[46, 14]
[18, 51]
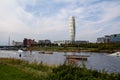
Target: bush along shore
[15, 69]
[90, 47]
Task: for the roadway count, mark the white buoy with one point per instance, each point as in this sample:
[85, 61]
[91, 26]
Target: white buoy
[20, 52]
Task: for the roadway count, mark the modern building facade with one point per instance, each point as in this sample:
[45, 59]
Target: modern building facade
[81, 42]
[114, 38]
[101, 40]
[72, 28]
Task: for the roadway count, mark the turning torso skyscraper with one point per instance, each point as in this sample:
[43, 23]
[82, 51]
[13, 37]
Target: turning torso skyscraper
[72, 28]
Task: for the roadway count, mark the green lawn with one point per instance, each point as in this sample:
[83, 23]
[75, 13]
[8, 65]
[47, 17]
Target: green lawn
[12, 73]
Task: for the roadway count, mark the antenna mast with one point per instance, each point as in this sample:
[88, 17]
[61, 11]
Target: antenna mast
[9, 41]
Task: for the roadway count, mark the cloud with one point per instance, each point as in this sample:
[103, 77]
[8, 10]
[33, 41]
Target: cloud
[43, 19]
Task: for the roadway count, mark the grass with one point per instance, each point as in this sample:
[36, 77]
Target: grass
[90, 47]
[8, 72]
[15, 69]
[54, 48]
[67, 49]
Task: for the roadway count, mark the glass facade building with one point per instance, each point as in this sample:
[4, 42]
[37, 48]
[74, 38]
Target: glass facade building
[115, 38]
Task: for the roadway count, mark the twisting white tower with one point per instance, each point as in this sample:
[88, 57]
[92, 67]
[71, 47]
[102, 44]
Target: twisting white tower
[72, 28]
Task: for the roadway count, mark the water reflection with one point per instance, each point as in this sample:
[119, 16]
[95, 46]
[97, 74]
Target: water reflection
[97, 61]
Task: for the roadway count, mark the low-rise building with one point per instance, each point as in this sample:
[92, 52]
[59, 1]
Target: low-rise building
[28, 42]
[101, 40]
[44, 41]
[107, 39]
[16, 43]
[62, 42]
[68, 42]
[114, 38]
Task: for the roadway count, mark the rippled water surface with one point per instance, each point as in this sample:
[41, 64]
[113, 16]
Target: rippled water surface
[97, 61]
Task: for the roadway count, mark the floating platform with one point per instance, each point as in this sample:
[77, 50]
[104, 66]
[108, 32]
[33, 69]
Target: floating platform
[74, 60]
[46, 52]
[78, 57]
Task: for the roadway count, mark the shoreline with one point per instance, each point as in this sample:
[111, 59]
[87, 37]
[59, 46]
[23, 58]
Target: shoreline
[69, 50]
[64, 50]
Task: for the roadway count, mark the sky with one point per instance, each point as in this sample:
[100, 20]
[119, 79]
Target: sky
[49, 19]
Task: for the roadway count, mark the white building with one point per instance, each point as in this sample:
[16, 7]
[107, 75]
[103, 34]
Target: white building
[62, 42]
[72, 28]
[16, 43]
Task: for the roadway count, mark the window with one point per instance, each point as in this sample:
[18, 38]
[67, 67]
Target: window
[115, 35]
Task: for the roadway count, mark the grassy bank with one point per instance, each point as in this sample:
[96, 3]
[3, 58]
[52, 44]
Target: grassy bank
[90, 47]
[14, 69]
[8, 72]
[71, 49]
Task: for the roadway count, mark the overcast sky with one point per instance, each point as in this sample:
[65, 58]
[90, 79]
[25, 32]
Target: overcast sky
[49, 19]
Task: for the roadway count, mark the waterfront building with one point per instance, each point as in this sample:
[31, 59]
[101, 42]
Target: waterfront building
[16, 43]
[68, 42]
[62, 42]
[114, 38]
[72, 28]
[25, 42]
[101, 40]
[44, 41]
[107, 39]
[28, 42]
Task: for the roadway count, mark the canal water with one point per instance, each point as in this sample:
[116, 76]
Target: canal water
[95, 61]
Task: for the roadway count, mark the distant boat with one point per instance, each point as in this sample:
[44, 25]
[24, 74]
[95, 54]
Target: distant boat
[115, 54]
